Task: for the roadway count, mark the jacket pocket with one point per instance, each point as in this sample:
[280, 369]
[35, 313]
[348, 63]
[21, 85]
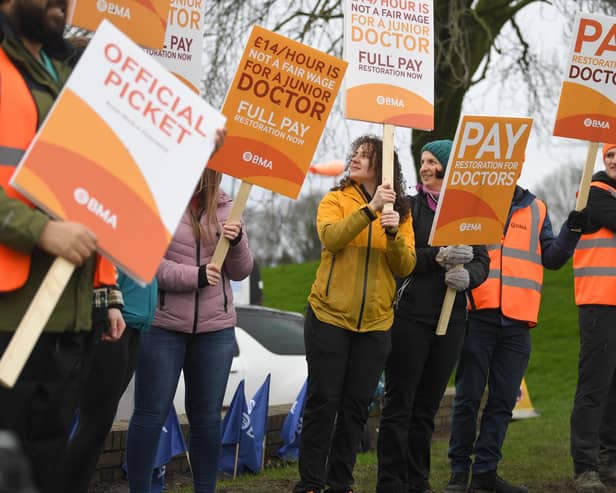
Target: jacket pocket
[161, 299]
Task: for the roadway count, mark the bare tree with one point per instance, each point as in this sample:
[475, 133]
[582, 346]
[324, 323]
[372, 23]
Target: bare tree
[281, 230]
[469, 34]
[558, 190]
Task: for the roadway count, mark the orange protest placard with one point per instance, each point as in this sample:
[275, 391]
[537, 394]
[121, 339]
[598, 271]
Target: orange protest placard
[484, 166]
[144, 21]
[587, 105]
[276, 110]
[390, 49]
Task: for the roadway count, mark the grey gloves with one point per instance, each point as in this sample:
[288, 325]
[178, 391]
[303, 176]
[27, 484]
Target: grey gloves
[452, 258]
[452, 255]
[457, 278]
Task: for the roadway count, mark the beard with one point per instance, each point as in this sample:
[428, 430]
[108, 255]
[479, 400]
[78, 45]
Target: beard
[34, 23]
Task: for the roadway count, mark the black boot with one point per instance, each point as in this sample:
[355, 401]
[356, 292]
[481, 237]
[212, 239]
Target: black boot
[457, 482]
[490, 482]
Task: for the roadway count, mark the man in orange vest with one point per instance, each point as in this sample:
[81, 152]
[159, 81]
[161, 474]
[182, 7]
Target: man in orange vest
[593, 420]
[497, 345]
[39, 409]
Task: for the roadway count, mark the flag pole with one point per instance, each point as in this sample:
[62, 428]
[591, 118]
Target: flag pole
[237, 455]
[263, 454]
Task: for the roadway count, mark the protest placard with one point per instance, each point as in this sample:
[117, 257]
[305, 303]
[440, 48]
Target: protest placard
[144, 21]
[183, 48]
[276, 108]
[484, 166]
[587, 104]
[127, 142]
[389, 45]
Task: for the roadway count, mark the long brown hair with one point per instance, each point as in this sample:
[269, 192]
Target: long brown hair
[375, 146]
[205, 202]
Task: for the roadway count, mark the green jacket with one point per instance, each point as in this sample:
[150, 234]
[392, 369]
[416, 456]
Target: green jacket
[21, 226]
[355, 282]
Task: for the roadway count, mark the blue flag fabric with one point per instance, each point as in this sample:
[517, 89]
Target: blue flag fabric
[170, 444]
[171, 441]
[255, 429]
[292, 427]
[231, 430]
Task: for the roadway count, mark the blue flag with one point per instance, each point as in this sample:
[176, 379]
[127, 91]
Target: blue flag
[231, 431]
[254, 429]
[171, 441]
[170, 444]
[292, 427]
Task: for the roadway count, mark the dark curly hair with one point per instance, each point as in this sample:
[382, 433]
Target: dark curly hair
[375, 144]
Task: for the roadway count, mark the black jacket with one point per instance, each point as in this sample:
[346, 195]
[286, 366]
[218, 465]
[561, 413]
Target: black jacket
[422, 293]
[601, 204]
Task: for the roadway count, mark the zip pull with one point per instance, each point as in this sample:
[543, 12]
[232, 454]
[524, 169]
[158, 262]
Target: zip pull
[400, 291]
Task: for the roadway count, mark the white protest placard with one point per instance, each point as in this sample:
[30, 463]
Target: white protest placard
[183, 48]
[128, 142]
[389, 45]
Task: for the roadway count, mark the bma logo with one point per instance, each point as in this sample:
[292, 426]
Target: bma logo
[470, 227]
[388, 101]
[518, 226]
[113, 8]
[82, 197]
[589, 122]
[247, 425]
[249, 157]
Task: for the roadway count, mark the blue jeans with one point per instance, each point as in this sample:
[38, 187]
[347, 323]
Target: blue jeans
[496, 355]
[206, 361]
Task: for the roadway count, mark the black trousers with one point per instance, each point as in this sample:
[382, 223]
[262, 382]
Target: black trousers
[416, 375]
[593, 420]
[110, 371]
[343, 372]
[41, 405]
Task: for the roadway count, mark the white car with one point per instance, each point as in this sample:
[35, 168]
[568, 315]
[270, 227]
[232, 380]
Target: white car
[267, 341]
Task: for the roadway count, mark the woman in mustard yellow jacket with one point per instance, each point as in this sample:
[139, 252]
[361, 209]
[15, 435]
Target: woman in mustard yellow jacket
[350, 312]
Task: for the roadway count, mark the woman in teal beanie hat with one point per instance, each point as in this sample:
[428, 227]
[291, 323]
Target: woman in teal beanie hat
[420, 362]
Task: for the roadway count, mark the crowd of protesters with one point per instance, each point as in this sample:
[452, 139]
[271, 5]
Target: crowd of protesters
[373, 307]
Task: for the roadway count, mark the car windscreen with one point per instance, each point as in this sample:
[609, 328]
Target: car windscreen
[278, 333]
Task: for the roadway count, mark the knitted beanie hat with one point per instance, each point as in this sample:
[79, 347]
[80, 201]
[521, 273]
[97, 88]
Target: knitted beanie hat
[607, 147]
[441, 150]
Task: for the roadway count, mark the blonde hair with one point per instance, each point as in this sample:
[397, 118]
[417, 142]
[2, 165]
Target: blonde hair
[206, 195]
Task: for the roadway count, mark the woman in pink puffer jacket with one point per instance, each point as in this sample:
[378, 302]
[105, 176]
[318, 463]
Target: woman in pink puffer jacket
[193, 330]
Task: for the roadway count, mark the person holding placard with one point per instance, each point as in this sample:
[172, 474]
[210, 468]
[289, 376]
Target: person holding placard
[111, 369]
[497, 345]
[350, 312]
[193, 331]
[420, 363]
[593, 420]
[40, 407]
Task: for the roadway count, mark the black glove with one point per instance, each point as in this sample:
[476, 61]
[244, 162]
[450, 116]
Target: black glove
[578, 221]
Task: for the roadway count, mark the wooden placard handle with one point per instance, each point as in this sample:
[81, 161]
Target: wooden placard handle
[31, 326]
[591, 156]
[388, 158]
[239, 204]
[443, 320]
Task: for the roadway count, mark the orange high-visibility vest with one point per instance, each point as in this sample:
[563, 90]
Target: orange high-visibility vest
[515, 279]
[18, 120]
[594, 264]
